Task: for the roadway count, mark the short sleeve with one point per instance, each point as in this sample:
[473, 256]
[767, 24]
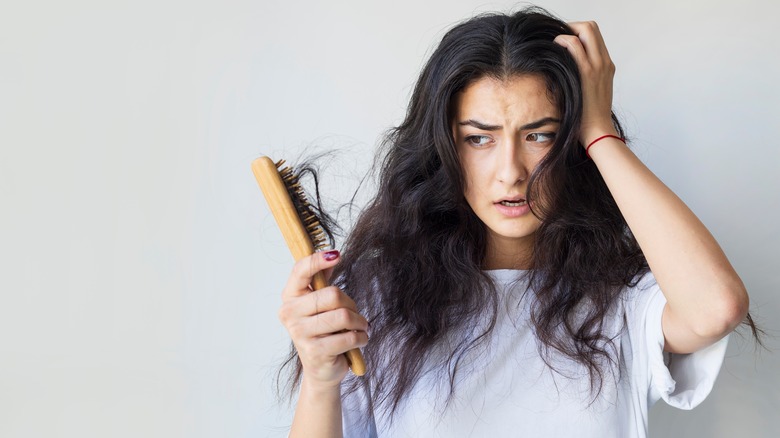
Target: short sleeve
[681, 380]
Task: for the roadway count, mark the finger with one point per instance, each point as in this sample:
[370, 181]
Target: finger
[573, 44]
[590, 35]
[323, 300]
[304, 329]
[326, 348]
[328, 273]
[304, 270]
[332, 321]
[327, 299]
[340, 343]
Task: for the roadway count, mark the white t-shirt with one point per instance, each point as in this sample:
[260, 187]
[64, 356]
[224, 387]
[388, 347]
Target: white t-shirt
[506, 390]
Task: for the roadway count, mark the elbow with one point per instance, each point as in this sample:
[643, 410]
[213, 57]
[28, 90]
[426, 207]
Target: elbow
[735, 310]
[727, 313]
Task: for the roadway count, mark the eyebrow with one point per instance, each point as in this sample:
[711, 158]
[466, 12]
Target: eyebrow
[485, 127]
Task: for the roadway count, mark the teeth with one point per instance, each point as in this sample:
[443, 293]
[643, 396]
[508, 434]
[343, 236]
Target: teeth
[513, 204]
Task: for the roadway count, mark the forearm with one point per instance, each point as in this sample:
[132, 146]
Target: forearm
[705, 297]
[318, 413]
[699, 283]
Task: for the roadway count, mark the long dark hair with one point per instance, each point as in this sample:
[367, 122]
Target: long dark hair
[413, 261]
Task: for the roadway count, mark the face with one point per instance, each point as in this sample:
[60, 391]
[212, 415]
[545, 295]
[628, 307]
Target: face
[503, 129]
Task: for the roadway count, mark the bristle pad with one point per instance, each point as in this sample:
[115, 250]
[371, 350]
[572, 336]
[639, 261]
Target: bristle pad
[308, 218]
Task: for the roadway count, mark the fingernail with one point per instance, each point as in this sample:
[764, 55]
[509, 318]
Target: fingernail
[331, 255]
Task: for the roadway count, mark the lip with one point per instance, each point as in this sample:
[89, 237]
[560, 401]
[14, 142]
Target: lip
[514, 198]
[512, 211]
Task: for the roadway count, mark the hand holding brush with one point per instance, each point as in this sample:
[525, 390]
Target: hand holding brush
[321, 319]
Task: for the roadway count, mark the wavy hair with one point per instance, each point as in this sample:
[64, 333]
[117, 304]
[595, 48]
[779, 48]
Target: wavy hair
[413, 261]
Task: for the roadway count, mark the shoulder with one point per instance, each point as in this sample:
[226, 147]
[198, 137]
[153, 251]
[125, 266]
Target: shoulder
[642, 292]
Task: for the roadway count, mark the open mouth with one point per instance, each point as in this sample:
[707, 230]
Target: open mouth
[518, 203]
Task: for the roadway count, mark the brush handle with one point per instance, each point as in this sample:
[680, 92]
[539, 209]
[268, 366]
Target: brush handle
[294, 232]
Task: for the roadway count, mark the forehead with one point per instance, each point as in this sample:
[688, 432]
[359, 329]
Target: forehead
[520, 98]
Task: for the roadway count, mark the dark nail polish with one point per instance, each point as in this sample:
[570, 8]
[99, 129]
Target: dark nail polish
[331, 255]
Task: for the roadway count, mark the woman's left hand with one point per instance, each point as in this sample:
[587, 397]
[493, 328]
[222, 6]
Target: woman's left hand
[596, 71]
[705, 298]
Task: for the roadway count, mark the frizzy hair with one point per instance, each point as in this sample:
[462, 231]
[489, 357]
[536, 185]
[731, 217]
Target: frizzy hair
[413, 261]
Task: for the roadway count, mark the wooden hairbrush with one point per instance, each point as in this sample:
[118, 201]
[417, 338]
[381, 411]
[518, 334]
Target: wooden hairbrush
[299, 225]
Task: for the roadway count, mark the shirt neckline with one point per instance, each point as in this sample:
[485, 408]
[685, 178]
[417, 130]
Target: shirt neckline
[506, 275]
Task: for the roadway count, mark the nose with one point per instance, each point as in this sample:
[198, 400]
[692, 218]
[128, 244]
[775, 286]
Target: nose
[511, 167]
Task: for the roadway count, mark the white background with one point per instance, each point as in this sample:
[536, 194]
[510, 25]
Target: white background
[140, 270]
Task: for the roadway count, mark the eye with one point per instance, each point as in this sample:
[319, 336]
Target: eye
[541, 137]
[478, 140]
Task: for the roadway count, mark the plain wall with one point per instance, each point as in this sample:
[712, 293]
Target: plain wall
[140, 269]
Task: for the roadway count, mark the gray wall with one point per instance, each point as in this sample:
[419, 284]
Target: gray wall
[140, 268]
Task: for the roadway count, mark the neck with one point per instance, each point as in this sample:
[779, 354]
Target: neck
[508, 253]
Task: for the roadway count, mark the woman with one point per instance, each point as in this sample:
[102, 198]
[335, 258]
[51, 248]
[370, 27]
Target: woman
[523, 273]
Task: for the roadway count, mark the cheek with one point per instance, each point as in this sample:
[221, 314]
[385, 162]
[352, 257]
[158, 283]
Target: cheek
[468, 187]
[537, 156]
[471, 179]
[473, 164]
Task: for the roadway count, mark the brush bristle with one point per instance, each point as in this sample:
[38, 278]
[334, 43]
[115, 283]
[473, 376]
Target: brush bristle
[309, 218]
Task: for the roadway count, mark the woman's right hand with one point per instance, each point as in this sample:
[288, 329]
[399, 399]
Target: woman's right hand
[323, 324]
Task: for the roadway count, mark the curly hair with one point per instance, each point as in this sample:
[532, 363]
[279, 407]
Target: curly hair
[413, 261]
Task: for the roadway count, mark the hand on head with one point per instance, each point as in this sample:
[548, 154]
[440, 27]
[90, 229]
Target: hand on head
[596, 72]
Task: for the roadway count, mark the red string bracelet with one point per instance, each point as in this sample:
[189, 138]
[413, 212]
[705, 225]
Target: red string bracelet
[602, 138]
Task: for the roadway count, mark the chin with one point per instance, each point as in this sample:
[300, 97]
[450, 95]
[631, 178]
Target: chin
[514, 234]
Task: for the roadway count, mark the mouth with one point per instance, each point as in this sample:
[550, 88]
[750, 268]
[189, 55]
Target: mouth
[512, 202]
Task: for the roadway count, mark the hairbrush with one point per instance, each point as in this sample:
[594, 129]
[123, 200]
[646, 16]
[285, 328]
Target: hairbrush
[298, 223]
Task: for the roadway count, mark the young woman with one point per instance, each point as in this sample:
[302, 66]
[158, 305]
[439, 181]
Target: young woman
[523, 273]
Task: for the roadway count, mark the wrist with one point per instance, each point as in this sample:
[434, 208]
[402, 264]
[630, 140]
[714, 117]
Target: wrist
[592, 133]
[607, 137]
[317, 388]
